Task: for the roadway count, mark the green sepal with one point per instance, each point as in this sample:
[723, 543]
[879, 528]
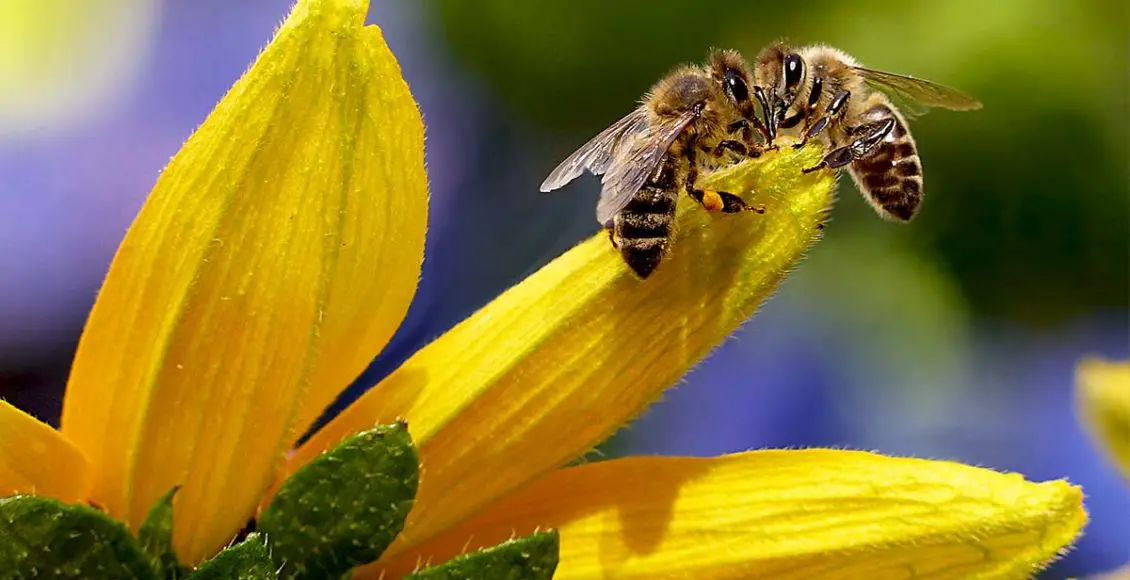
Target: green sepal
[247, 560]
[156, 538]
[345, 507]
[533, 557]
[43, 538]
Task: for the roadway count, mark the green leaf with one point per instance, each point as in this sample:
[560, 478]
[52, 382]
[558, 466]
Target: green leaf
[156, 538]
[247, 560]
[345, 507]
[533, 557]
[43, 538]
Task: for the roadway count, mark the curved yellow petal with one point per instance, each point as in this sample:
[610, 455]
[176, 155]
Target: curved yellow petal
[781, 515]
[36, 459]
[1103, 395]
[274, 258]
[557, 363]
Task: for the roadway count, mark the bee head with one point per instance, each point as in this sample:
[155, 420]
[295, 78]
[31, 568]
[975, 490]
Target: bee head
[730, 72]
[780, 71]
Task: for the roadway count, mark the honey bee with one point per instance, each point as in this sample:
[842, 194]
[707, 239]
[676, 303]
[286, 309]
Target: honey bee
[828, 94]
[694, 119]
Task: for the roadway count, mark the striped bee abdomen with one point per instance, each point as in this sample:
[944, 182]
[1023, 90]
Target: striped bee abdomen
[891, 175]
[642, 230]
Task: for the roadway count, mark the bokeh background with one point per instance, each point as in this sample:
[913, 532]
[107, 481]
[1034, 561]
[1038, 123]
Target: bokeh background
[954, 337]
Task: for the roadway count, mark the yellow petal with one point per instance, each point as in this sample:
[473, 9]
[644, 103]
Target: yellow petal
[274, 258]
[557, 363]
[1103, 394]
[36, 459]
[62, 63]
[781, 514]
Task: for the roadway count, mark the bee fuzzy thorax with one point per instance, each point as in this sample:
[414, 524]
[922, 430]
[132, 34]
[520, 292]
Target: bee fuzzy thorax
[835, 71]
[678, 92]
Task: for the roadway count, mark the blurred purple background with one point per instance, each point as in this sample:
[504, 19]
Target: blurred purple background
[954, 340]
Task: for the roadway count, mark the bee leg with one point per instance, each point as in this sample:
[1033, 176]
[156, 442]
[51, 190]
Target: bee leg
[735, 146]
[792, 120]
[818, 127]
[763, 130]
[710, 200]
[742, 127]
[610, 227]
[734, 204]
[711, 203]
[768, 127]
[812, 131]
[871, 135]
[723, 201]
[753, 147]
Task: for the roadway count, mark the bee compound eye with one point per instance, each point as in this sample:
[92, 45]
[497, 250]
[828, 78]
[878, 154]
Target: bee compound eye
[794, 69]
[736, 86]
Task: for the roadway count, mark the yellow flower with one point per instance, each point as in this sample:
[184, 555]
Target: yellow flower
[278, 253]
[1102, 393]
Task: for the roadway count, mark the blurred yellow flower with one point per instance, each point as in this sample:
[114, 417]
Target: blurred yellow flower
[278, 253]
[62, 63]
[1103, 395]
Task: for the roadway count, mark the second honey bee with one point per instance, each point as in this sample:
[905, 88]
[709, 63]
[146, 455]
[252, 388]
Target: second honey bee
[695, 118]
[825, 93]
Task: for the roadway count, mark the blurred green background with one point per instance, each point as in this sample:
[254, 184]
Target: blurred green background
[1027, 200]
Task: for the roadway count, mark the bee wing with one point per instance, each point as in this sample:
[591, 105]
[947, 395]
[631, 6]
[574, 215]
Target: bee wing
[598, 152]
[919, 91]
[909, 107]
[632, 166]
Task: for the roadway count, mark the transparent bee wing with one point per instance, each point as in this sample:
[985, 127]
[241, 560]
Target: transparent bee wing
[914, 91]
[598, 152]
[632, 166]
[910, 108]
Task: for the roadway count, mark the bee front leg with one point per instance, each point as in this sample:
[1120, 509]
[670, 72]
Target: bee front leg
[737, 147]
[747, 146]
[871, 135]
[743, 129]
[768, 126]
[834, 109]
